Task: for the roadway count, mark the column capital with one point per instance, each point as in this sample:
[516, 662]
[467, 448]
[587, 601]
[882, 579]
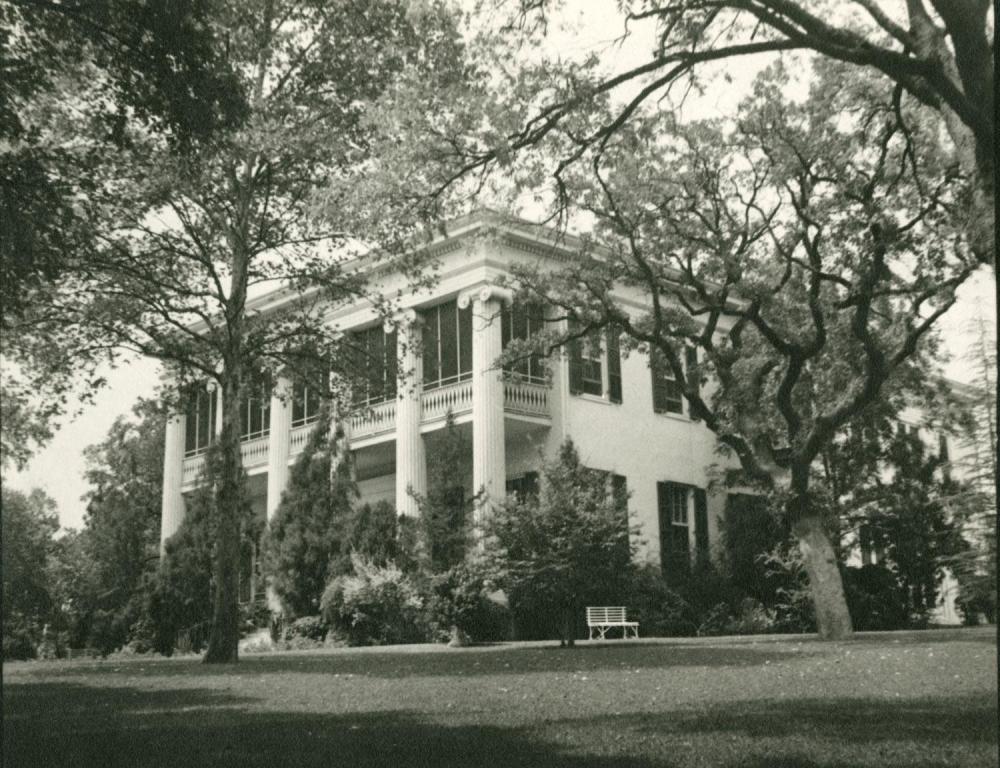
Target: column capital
[484, 293]
[406, 318]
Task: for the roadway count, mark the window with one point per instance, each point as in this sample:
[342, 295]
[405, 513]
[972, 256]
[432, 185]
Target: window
[199, 421]
[667, 391]
[675, 560]
[447, 345]
[520, 323]
[588, 374]
[305, 405]
[524, 486]
[255, 411]
[943, 448]
[376, 367]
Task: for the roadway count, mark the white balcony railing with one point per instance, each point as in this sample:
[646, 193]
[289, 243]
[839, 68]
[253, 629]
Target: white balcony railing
[298, 438]
[520, 398]
[373, 420]
[254, 452]
[192, 468]
[436, 403]
[526, 399]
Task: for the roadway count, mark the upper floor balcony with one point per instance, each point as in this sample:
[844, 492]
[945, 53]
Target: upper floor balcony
[523, 401]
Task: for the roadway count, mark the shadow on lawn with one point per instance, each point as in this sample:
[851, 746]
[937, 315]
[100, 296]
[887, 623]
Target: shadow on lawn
[65, 723]
[393, 664]
[200, 728]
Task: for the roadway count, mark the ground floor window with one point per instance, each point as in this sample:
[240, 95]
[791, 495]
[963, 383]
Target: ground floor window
[675, 558]
[523, 486]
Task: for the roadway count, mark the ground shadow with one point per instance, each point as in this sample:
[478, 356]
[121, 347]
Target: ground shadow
[68, 723]
[201, 728]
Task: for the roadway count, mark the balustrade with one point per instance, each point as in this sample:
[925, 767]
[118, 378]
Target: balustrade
[526, 399]
[456, 398]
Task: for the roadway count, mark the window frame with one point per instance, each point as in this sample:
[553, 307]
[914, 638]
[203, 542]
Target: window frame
[599, 350]
[308, 400]
[374, 351]
[197, 395]
[435, 345]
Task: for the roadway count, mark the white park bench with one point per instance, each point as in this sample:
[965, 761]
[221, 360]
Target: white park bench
[604, 617]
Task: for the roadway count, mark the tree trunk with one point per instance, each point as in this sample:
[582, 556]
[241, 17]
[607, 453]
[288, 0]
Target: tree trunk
[833, 621]
[223, 641]
[567, 640]
[458, 638]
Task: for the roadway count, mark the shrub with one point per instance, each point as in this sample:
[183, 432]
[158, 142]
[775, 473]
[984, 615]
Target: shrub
[376, 605]
[304, 632]
[660, 610]
[305, 541]
[460, 599]
[875, 598]
[793, 605]
[566, 548]
[19, 642]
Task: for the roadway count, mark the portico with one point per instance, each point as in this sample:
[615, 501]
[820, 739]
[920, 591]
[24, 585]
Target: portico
[483, 396]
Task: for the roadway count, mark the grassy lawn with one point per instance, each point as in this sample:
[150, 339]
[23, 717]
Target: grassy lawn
[901, 699]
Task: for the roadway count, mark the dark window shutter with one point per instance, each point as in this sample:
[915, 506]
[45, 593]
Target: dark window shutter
[576, 367]
[614, 365]
[666, 529]
[690, 363]
[701, 524]
[659, 384]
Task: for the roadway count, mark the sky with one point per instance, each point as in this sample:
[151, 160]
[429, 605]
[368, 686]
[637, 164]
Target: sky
[58, 469]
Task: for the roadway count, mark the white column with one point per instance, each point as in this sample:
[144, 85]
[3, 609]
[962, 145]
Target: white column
[277, 443]
[172, 505]
[489, 464]
[411, 459]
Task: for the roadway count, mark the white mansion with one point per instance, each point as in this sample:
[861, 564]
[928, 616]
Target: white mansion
[623, 419]
[626, 418]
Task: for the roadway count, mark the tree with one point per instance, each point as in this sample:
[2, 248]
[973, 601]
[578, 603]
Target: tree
[568, 545]
[939, 52]
[801, 254]
[309, 529]
[976, 508]
[173, 279]
[897, 503]
[79, 79]
[120, 538]
[29, 602]
[157, 64]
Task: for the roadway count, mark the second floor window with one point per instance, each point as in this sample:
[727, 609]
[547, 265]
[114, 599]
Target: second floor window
[255, 411]
[199, 422]
[520, 323]
[305, 405]
[447, 345]
[667, 391]
[595, 366]
[376, 367]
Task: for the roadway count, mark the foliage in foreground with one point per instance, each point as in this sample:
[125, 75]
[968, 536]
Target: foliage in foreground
[307, 534]
[565, 548]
